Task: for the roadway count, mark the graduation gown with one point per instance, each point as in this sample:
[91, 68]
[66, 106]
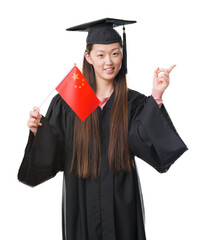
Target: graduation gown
[110, 207]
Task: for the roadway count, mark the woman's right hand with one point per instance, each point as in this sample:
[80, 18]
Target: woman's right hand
[34, 120]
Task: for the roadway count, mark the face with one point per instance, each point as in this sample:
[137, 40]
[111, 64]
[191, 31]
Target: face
[106, 60]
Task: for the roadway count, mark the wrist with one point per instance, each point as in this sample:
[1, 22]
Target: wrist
[157, 94]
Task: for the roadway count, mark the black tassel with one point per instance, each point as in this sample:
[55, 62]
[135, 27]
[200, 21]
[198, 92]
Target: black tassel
[124, 60]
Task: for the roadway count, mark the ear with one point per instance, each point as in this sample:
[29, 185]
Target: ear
[88, 58]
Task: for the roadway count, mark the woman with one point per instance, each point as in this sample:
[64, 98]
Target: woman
[102, 196]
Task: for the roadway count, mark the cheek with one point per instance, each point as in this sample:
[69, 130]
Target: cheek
[118, 62]
[98, 65]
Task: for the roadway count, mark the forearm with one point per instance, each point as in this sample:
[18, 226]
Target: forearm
[157, 95]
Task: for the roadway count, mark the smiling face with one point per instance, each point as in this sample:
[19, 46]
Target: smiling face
[106, 60]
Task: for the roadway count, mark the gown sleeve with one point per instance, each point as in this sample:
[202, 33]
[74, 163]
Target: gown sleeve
[152, 135]
[44, 153]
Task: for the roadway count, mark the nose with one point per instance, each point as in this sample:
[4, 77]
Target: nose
[108, 60]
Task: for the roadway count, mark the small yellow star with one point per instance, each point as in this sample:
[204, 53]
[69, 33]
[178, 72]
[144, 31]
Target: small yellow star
[75, 76]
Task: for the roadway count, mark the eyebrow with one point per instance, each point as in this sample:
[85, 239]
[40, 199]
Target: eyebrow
[112, 49]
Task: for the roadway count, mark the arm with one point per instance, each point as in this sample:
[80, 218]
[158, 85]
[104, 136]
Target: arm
[44, 153]
[157, 95]
[153, 137]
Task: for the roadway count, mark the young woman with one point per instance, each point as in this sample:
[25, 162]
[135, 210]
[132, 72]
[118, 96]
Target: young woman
[102, 196]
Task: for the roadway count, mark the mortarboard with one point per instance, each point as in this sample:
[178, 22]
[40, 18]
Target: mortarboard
[102, 32]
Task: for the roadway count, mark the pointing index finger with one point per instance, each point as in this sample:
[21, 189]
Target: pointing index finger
[170, 69]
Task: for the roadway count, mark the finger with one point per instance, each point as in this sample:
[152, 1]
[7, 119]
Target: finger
[163, 77]
[31, 124]
[39, 117]
[163, 80]
[32, 121]
[34, 130]
[33, 114]
[170, 69]
[156, 72]
[36, 109]
[164, 70]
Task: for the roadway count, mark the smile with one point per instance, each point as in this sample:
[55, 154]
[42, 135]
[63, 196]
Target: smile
[109, 70]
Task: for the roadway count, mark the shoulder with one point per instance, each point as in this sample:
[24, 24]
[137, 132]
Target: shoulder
[58, 106]
[135, 97]
[136, 102]
[57, 100]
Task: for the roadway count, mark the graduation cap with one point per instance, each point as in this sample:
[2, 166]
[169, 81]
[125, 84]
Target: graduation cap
[102, 32]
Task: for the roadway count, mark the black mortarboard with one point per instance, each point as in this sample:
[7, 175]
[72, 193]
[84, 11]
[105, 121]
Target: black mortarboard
[102, 32]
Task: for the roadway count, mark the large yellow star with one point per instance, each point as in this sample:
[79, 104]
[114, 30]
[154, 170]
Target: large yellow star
[75, 76]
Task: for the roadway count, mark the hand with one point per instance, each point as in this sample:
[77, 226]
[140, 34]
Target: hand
[34, 120]
[161, 82]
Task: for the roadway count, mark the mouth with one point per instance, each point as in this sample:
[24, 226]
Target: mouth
[109, 70]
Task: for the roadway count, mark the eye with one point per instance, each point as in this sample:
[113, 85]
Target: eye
[115, 54]
[100, 56]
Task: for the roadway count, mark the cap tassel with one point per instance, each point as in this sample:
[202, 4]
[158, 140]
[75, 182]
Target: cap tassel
[124, 60]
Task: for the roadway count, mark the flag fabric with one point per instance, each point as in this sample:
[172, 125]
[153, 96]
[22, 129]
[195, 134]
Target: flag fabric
[77, 93]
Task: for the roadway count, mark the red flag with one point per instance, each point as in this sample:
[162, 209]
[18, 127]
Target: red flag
[77, 93]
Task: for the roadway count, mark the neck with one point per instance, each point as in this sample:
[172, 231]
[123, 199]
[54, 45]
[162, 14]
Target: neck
[104, 88]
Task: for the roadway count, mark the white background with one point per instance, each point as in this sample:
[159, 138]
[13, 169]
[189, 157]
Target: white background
[36, 53]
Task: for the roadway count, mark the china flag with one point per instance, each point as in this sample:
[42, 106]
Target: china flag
[77, 93]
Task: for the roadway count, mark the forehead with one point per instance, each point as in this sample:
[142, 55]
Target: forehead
[105, 47]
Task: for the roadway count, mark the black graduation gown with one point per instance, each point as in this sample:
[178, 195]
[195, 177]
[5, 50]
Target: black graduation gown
[111, 207]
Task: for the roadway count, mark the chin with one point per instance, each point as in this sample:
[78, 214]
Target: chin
[110, 76]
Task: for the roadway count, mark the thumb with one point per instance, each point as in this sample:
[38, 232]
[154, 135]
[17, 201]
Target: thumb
[36, 109]
[156, 72]
[37, 112]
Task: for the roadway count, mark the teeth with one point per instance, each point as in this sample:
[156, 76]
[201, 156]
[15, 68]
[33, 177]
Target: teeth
[109, 69]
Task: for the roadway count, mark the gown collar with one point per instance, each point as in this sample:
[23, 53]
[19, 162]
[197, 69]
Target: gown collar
[108, 104]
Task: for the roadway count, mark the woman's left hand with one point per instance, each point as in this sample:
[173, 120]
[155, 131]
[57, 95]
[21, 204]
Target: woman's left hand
[161, 82]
